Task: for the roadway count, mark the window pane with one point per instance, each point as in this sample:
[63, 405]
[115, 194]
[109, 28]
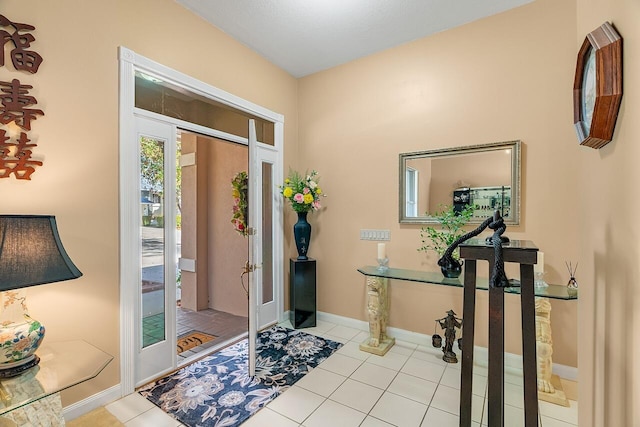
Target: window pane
[152, 235]
[267, 233]
[153, 94]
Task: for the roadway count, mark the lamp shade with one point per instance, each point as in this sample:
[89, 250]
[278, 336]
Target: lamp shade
[31, 252]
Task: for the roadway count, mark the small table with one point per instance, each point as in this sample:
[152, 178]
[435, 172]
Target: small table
[378, 308]
[35, 392]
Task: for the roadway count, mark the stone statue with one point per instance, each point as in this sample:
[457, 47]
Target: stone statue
[378, 311]
[544, 345]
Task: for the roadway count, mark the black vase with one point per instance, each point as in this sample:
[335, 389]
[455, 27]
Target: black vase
[302, 234]
[452, 270]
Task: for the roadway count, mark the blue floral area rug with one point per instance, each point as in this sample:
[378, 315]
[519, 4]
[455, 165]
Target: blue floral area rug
[218, 391]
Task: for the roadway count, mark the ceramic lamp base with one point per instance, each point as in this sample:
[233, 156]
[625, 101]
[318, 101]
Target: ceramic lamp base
[8, 370]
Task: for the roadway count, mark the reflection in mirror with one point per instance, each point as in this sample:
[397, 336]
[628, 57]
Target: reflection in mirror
[486, 176]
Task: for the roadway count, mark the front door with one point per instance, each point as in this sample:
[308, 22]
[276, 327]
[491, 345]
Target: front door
[262, 249]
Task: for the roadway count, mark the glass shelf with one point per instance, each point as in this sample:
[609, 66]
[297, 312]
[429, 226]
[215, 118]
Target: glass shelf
[551, 291]
[62, 365]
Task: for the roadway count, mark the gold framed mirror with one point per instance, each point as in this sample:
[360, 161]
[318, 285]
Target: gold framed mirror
[486, 176]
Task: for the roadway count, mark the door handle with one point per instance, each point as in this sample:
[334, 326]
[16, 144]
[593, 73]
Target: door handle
[248, 268]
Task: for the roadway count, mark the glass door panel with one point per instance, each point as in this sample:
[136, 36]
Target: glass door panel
[267, 233]
[152, 240]
[157, 242]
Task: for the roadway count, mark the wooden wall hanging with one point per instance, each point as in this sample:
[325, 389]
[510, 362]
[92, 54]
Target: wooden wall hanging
[16, 102]
[597, 87]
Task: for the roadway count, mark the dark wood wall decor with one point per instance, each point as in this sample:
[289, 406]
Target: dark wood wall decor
[15, 100]
[597, 87]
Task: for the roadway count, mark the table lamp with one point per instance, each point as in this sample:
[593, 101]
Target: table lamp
[31, 254]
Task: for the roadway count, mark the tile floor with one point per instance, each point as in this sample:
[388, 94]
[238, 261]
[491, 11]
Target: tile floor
[410, 386]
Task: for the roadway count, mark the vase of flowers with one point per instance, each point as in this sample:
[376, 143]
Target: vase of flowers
[304, 195]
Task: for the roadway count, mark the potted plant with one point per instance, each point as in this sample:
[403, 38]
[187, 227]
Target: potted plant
[451, 228]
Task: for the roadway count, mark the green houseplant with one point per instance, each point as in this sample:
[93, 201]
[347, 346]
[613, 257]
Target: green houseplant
[451, 228]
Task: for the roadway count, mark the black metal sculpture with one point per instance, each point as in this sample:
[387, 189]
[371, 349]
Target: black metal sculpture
[496, 223]
[449, 324]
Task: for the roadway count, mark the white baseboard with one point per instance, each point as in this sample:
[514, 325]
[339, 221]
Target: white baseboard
[92, 402]
[480, 354]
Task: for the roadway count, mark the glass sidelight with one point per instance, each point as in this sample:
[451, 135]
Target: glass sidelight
[267, 233]
[152, 225]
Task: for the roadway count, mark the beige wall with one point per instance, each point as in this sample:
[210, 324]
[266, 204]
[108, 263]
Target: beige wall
[194, 231]
[228, 250]
[502, 78]
[77, 87]
[609, 275]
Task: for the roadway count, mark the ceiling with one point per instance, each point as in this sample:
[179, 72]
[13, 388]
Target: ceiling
[306, 36]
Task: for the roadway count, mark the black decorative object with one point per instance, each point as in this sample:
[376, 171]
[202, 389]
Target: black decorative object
[302, 235]
[572, 285]
[302, 292]
[449, 324]
[498, 276]
[452, 269]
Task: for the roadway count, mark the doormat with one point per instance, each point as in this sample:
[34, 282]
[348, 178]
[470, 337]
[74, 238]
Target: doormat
[218, 391]
[193, 339]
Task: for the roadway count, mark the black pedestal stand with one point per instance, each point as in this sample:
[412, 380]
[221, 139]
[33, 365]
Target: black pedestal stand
[302, 293]
[524, 253]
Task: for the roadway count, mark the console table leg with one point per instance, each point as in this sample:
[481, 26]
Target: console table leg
[378, 309]
[549, 387]
[468, 322]
[529, 346]
[496, 356]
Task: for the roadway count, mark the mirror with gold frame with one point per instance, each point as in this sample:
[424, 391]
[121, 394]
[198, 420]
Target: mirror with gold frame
[485, 176]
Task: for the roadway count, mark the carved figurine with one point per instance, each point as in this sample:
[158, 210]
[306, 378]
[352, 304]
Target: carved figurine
[449, 324]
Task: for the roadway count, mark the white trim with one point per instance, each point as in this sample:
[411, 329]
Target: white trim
[188, 126]
[129, 299]
[92, 402]
[480, 355]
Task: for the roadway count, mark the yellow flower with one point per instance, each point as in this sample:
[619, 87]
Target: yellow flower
[235, 193]
[287, 192]
[308, 199]
[318, 191]
[287, 181]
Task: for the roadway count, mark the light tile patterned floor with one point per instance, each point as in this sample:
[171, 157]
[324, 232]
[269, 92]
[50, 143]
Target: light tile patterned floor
[409, 386]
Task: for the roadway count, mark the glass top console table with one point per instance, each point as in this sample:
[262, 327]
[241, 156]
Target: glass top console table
[379, 343]
[551, 291]
[62, 365]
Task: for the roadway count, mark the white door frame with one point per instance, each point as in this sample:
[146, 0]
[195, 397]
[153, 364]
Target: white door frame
[130, 197]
